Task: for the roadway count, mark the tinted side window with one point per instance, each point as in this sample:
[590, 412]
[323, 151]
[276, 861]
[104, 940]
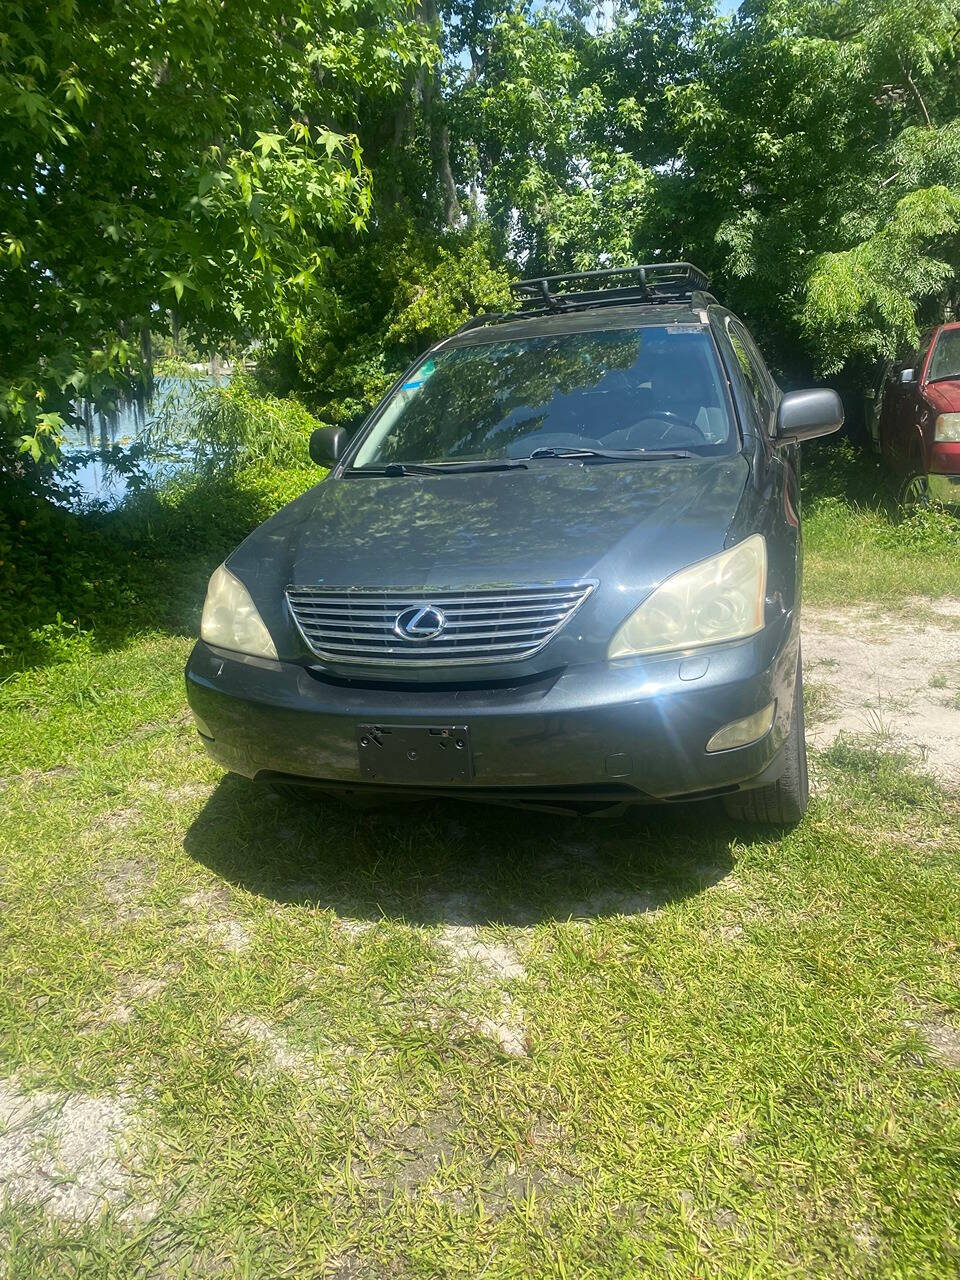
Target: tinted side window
[753, 372]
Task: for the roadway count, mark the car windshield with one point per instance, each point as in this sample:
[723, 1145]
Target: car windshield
[656, 388]
[945, 361]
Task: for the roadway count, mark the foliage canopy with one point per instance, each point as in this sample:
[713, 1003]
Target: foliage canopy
[170, 164]
[344, 183]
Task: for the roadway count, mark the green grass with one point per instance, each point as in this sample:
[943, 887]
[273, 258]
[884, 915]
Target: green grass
[452, 1041]
[858, 546]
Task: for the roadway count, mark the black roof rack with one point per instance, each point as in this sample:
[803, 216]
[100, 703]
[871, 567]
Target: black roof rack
[651, 282]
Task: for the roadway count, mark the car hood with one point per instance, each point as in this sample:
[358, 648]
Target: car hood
[945, 395]
[627, 526]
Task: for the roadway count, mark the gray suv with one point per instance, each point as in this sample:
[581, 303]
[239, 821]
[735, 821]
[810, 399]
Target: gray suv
[558, 566]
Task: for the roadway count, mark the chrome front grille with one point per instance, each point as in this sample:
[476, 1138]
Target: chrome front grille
[506, 624]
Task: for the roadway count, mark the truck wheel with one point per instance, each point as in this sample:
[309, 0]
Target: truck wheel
[782, 803]
[914, 492]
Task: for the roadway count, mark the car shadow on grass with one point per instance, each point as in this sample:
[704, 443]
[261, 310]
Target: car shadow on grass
[457, 863]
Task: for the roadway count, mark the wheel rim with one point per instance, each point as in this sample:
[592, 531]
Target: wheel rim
[916, 492]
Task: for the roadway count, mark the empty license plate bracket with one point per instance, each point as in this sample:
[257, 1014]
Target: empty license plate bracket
[415, 753]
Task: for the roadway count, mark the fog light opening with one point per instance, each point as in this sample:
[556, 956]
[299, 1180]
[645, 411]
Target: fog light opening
[745, 732]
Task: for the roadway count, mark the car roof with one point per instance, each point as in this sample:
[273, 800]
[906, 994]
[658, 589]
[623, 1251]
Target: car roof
[586, 320]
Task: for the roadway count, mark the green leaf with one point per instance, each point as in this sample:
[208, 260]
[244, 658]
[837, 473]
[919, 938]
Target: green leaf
[267, 142]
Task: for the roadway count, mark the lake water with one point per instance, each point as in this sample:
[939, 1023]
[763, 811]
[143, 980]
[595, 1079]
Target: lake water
[88, 453]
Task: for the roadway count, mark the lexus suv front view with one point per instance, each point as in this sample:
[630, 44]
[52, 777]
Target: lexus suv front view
[559, 565]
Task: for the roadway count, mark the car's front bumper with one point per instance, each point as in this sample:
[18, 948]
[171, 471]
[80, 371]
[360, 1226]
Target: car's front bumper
[636, 727]
[944, 472]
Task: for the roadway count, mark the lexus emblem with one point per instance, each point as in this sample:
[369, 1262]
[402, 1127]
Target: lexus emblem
[419, 622]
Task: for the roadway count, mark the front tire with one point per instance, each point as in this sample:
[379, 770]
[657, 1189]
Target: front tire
[784, 802]
[914, 492]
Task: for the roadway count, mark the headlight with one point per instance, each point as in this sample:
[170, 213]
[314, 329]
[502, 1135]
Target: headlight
[715, 600]
[947, 429]
[230, 618]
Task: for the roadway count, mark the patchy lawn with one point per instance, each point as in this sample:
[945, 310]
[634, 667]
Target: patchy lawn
[891, 674]
[859, 546]
[240, 1038]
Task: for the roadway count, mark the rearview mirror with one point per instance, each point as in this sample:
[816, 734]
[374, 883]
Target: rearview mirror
[908, 375]
[328, 445]
[804, 415]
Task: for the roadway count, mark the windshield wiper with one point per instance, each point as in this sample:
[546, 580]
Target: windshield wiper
[946, 377]
[437, 468]
[617, 455]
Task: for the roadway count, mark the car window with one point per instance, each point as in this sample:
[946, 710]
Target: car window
[945, 361]
[751, 366]
[655, 387]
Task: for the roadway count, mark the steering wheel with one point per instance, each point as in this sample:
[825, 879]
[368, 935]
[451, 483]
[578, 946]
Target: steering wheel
[671, 419]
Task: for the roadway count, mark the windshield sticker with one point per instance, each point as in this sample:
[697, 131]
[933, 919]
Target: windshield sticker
[420, 377]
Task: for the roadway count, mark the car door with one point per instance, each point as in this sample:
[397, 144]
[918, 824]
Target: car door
[903, 434]
[892, 410]
[873, 407]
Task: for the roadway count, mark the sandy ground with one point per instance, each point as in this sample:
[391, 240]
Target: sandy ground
[893, 675]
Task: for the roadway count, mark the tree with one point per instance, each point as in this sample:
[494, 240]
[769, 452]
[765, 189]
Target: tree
[173, 164]
[805, 152]
[808, 126]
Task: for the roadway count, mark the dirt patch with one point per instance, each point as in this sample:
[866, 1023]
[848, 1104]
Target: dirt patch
[508, 1029]
[206, 900]
[119, 819]
[188, 791]
[888, 675]
[420, 1150]
[62, 1152]
[355, 928]
[125, 884]
[36, 777]
[214, 923]
[273, 1046]
[498, 964]
[612, 902]
[129, 997]
[463, 943]
[229, 934]
[943, 1041]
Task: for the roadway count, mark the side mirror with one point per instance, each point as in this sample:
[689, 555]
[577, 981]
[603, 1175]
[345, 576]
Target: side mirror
[804, 415]
[908, 375]
[328, 445]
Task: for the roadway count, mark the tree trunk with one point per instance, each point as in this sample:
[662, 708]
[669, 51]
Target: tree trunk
[436, 126]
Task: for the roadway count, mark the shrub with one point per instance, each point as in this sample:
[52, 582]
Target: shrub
[101, 576]
[385, 303]
[923, 529]
[234, 425]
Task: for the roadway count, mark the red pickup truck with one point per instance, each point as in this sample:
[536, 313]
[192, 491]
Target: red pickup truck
[918, 424]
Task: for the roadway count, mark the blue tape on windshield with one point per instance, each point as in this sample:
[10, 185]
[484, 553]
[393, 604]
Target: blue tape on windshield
[422, 374]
